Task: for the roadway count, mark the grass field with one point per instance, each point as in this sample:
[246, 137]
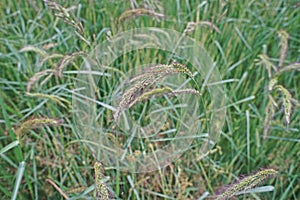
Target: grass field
[255, 45]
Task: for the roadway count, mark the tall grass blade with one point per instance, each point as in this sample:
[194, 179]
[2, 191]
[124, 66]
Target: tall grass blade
[19, 177]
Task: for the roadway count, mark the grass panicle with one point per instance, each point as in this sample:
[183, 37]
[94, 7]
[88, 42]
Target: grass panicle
[286, 98]
[246, 183]
[264, 60]
[162, 70]
[274, 72]
[283, 44]
[59, 100]
[272, 83]
[131, 94]
[68, 17]
[49, 57]
[36, 123]
[161, 91]
[64, 61]
[103, 192]
[144, 82]
[128, 14]
[191, 26]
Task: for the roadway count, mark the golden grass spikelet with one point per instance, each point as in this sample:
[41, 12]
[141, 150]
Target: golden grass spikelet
[246, 183]
[147, 95]
[286, 102]
[35, 123]
[187, 91]
[61, 101]
[49, 45]
[272, 83]
[283, 43]
[182, 69]
[100, 185]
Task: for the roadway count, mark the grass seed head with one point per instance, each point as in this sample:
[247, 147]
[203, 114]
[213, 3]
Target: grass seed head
[103, 192]
[283, 43]
[144, 82]
[246, 183]
[191, 26]
[286, 102]
[36, 123]
[139, 12]
[264, 60]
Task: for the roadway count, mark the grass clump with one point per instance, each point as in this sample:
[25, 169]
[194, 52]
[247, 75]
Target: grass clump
[274, 71]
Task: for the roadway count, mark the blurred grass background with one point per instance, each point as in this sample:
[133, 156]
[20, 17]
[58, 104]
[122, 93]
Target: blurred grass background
[247, 29]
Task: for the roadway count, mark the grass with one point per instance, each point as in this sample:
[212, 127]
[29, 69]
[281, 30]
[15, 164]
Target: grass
[254, 45]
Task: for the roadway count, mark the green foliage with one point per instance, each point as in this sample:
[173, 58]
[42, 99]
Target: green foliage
[255, 45]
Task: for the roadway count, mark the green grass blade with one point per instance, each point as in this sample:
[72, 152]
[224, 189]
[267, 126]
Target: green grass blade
[19, 177]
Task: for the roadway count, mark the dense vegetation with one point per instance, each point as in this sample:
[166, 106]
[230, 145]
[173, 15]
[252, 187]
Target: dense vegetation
[255, 46]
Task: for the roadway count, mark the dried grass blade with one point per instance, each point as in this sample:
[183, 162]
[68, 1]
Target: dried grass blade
[37, 76]
[293, 66]
[66, 60]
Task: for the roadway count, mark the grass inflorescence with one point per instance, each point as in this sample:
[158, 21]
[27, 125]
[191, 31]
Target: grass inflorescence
[246, 183]
[103, 191]
[36, 123]
[274, 72]
[142, 83]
